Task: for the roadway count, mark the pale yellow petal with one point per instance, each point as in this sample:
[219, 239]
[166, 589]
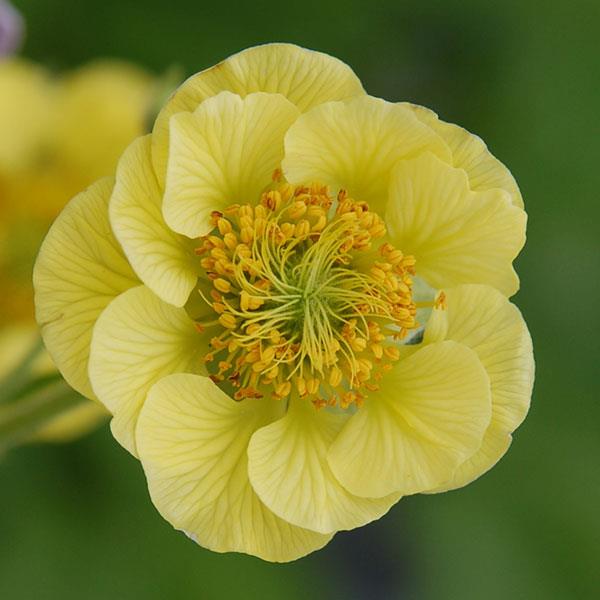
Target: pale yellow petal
[26, 105]
[79, 270]
[289, 471]
[305, 77]
[223, 153]
[164, 260]
[192, 440]
[429, 417]
[456, 235]
[470, 153]
[481, 318]
[355, 145]
[101, 108]
[138, 340]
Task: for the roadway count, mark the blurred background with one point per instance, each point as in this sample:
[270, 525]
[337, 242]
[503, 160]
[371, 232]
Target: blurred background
[76, 520]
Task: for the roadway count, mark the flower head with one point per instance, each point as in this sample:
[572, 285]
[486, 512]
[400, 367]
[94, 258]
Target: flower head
[57, 134]
[293, 300]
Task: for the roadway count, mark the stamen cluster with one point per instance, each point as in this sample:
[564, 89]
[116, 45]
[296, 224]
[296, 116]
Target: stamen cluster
[306, 303]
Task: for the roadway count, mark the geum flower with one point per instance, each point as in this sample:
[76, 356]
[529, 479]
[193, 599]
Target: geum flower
[293, 300]
[58, 133]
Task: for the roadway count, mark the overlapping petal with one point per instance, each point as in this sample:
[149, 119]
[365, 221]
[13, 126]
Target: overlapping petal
[428, 418]
[223, 153]
[470, 153]
[485, 321]
[305, 77]
[354, 145]
[138, 340]
[164, 260]
[289, 470]
[192, 440]
[457, 235]
[79, 271]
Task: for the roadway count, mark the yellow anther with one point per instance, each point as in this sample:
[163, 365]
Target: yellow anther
[260, 212]
[247, 234]
[335, 377]
[392, 352]
[218, 307]
[268, 354]
[283, 389]
[224, 226]
[243, 251]
[312, 385]
[253, 356]
[222, 285]
[301, 384]
[252, 329]
[358, 344]
[272, 200]
[259, 226]
[228, 321]
[215, 241]
[207, 263]
[219, 254]
[320, 224]
[246, 211]
[296, 210]
[223, 267]
[302, 229]
[287, 229]
[378, 273]
[224, 366]
[247, 221]
[230, 240]
[377, 350]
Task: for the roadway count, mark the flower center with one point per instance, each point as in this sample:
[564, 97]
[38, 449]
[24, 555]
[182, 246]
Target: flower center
[306, 299]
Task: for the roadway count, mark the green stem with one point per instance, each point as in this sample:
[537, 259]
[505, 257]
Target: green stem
[20, 419]
[16, 381]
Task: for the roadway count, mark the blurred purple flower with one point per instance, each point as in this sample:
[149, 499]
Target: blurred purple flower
[11, 28]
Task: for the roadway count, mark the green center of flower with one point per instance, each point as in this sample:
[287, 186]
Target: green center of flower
[305, 300]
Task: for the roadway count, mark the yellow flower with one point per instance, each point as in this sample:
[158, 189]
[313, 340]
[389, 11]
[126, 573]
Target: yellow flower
[57, 135]
[293, 300]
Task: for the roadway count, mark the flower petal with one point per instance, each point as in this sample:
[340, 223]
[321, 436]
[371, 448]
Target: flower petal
[305, 77]
[456, 235]
[79, 270]
[289, 471]
[224, 152]
[354, 145]
[470, 153]
[485, 321]
[164, 260]
[26, 108]
[192, 440]
[138, 340]
[101, 107]
[429, 416]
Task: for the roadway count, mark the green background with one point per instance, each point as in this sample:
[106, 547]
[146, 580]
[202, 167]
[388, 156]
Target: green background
[76, 520]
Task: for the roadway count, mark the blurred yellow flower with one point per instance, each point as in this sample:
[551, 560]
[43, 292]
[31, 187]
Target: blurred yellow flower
[293, 300]
[57, 135]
